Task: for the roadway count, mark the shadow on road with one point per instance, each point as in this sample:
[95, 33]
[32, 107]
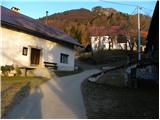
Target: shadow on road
[23, 110]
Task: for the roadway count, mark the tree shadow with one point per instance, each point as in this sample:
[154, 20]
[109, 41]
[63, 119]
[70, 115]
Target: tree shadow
[4, 55]
[67, 93]
[24, 108]
[66, 97]
[57, 98]
[66, 89]
[23, 92]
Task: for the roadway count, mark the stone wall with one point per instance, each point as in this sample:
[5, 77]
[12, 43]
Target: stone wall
[149, 72]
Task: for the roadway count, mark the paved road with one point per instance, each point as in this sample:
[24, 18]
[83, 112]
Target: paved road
[57, 98]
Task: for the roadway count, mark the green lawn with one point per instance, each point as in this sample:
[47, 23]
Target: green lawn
[14, 89]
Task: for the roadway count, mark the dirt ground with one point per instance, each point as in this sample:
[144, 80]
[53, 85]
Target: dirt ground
[109, 101]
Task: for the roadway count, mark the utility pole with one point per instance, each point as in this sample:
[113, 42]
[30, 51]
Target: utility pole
[139, 35]
[46, 17]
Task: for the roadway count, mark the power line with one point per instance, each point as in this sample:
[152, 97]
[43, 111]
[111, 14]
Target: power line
[119, 3]
[125, 4]
[134, 11]
[122, 4]
[147, 13]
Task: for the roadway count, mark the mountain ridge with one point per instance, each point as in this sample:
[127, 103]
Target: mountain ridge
[77, 22]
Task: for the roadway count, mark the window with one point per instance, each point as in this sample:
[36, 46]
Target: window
[25, 51]
[64, 58]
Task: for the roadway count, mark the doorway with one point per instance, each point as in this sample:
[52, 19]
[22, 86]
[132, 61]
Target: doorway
[35, 56]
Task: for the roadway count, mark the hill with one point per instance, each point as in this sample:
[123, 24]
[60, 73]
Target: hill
[78, 22]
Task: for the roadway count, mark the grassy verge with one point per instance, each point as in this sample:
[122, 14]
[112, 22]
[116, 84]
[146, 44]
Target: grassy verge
[112, 57]
[14, 89]
[66, 73]
[113, 78]
[110, 99]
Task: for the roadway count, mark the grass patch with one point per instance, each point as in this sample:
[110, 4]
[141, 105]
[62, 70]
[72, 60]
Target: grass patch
[14, 89]
[115, 78]
[66, 73]
[111, 58]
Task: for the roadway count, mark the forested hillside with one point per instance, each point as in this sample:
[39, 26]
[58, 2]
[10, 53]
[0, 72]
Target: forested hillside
[79, 22]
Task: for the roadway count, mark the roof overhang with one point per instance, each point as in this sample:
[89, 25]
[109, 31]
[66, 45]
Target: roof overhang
[38, 34]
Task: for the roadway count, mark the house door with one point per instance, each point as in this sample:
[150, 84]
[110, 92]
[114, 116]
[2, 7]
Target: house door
[35, 56]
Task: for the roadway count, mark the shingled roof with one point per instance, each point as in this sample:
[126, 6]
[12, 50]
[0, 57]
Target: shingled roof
[21, 22]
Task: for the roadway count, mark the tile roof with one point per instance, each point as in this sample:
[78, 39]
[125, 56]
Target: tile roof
[24, 22]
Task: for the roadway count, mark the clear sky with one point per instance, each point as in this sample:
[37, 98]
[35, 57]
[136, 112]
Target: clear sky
[37, 8]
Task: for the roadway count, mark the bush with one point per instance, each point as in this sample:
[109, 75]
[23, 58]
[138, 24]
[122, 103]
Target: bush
[18, 71]
[105, 57]
[6, 69]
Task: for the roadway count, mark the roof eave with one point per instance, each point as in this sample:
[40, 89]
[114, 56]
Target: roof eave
[35, 33]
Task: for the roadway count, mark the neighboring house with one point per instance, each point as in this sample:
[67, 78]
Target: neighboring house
[26, 42]
[108, 38]
[106, 42]
[100, 42]
[121, 42]
[112, 38]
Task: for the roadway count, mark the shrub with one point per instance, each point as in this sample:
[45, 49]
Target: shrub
[18, 71]
[6, 69]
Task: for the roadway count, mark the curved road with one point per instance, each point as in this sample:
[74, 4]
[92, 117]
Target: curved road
[57, 98]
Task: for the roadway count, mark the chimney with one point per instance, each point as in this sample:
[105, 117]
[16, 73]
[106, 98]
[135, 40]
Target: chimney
[46, 17]
[15, 9]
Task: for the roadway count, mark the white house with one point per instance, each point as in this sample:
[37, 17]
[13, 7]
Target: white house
[106, 42]
[113, 38]
[108, 38]
[26, 42]
[100, 42]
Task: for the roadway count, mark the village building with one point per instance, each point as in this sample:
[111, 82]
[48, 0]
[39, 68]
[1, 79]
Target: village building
[109, 39]
[100, 42]
[29, 43]
[114, 38]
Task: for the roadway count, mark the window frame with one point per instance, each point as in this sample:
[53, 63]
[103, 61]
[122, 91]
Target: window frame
[64, 58]
[25, 51]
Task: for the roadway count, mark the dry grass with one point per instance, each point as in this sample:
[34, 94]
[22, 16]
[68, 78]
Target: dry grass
[14, 89]
[110, 99]
[112, 58]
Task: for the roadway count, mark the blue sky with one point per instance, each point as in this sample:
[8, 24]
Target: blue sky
[37, 8]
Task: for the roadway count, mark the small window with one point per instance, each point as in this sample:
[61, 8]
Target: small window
[25, 51]
[64, 58]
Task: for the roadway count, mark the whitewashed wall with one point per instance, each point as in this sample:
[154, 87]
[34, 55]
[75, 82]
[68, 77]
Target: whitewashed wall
[103, 42]
[12, 43]
[99, 42]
